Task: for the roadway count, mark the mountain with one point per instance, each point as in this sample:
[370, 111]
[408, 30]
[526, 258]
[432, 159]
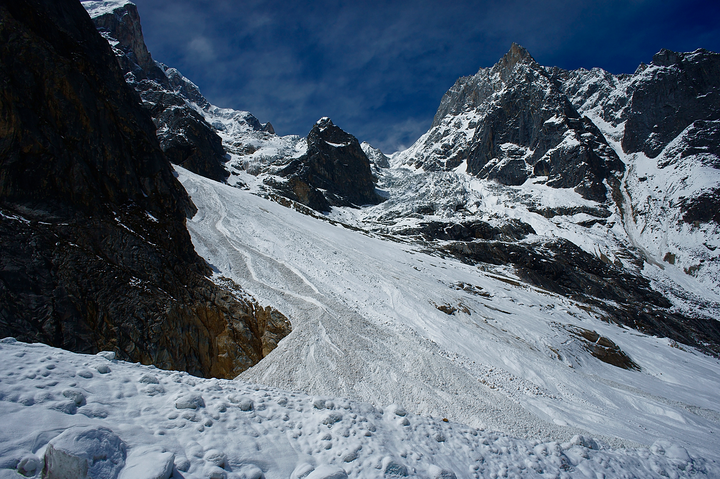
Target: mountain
[333, 172]
[95, 249]
[510, 123]
[552, 143]
[329, 169]
[172, 100]
[485, 303]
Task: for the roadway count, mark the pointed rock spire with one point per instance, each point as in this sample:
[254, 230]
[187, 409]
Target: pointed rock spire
[516, 54]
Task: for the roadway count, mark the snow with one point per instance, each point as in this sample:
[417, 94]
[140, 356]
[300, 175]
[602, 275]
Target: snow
[130, 426]
[99, 8]
[366, 326]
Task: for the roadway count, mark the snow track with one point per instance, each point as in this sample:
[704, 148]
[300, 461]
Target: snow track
[369, 323]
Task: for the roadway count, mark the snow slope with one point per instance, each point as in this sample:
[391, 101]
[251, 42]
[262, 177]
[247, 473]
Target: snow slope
[370, 322]
[133, 421]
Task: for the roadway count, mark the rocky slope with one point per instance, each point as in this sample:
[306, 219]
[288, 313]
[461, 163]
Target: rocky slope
[95, 252]
[664, 122]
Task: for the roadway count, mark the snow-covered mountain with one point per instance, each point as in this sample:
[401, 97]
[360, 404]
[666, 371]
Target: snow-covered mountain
[531, 289]
[663, 122]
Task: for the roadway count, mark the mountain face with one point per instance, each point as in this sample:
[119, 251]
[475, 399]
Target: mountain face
[512, 122]
[172, 100]
[95, 251]
[663, 121]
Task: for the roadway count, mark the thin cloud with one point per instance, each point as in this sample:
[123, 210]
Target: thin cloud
[201, 49]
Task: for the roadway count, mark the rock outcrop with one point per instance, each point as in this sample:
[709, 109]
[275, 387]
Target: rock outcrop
[333, 172]
[95, 253]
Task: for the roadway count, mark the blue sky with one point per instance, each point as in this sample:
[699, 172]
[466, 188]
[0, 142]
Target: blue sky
[380, 68]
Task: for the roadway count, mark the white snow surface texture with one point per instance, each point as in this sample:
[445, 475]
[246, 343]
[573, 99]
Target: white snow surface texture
[131, 421]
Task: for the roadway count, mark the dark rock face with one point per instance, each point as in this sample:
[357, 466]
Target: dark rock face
[512, 230]
[123, 26]
[94, 250]
[334, 172]
[185, 137]
[675, 90]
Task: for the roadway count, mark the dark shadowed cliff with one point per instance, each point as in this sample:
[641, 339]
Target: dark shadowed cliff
[94, 253]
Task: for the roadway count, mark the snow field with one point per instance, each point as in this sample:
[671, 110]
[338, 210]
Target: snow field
[148, 422]
[367, 325]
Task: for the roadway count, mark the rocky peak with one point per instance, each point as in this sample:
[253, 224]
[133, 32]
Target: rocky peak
[376, 157]
[335, 171]
[516, 55]
[325, 134]
[666, 58]
[512, 122]
[185, 137]
[673, 92]
[120, 24]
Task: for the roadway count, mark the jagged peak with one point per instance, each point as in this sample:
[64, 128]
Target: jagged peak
[323, 123]
[516, 54]
[666, 58]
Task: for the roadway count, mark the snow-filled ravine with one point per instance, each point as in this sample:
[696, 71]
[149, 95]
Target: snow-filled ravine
[380, 321]
[74, 414]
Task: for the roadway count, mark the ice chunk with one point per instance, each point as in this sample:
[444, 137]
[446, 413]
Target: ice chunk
[190, 401]
[332, 418]
[109, 355]
[394, 468]
[149, 379]
[436, 472]
[29, 465]
[327, 471]
[397, 410]
[148, 463]
[75, 395]
[85, 452]
[301, 471]
[215, 457]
